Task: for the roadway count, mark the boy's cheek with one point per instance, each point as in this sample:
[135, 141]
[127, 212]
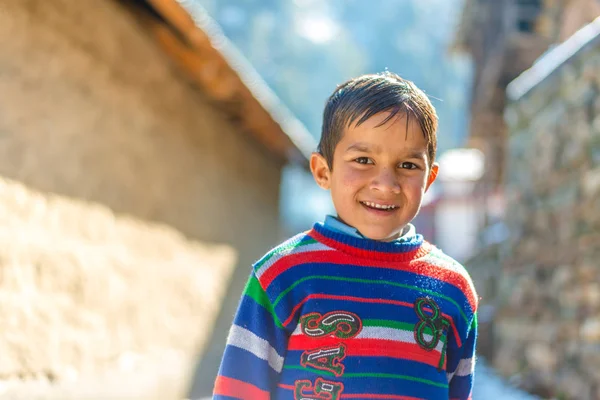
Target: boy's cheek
[352, 176]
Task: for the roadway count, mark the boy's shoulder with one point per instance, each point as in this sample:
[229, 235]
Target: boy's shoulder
[436, 256]
[447, 265]
[298, 244]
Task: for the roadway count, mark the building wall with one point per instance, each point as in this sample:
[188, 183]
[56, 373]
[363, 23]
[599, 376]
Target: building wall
[504, 38]
[547, 328]
[92, 111]
[97, 305]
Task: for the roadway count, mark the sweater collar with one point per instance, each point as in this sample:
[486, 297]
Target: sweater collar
[335, 224]
[408, 250]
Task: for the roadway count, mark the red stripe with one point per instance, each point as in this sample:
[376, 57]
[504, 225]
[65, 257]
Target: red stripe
[225, 386]
[327, 256]
[289, 387]
[289, 261]
[365, 300]
[370, 348]
[362, 396]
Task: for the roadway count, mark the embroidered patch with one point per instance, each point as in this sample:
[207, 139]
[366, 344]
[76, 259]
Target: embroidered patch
[323, 390]
[341, 324]
[325, 359]
[430, 321]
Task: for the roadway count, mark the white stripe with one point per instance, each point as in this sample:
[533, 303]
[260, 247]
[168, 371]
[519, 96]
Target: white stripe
[398, 335]
[466, 366]
[298, 330]
[249, 341]
[295, 250]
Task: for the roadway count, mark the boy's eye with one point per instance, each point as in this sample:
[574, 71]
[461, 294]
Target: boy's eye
[363, 160]
[408, 165]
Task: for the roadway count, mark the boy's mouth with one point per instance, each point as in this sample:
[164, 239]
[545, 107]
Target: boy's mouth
[379, 207]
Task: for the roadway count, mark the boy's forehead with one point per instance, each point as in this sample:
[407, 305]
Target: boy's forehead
[407, 136]
[381, 118]
[402, 123]
[378, 148]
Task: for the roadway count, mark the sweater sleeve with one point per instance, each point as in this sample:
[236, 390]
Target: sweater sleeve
[256, 345]
[461, 379]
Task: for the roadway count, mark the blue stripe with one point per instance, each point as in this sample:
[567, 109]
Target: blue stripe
[367, 385]
[296, 273]
[460, 386]
[363, 310]
[354, 364]
[386, 291]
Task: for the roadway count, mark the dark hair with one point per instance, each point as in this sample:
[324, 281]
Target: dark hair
[367, 95]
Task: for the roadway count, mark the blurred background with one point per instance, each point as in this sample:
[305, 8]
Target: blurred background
[151, 150]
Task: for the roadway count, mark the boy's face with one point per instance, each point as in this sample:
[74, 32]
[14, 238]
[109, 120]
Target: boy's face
[379, 175]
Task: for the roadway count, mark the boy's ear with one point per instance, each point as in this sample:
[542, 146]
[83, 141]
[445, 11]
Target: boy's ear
[320, 170]
[433, 173]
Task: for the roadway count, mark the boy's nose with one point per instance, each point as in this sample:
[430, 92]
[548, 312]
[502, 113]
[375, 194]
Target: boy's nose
[386, 181]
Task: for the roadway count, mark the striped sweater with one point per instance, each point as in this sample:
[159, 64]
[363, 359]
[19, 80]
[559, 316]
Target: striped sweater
[329, 316]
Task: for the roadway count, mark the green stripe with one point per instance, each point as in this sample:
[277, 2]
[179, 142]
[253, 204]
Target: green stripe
[389, 324]
[370, 281]
[370, 375]
[280, 250]
[474, 322]
[256, 292]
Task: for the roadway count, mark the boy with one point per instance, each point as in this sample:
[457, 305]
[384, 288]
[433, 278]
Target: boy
[360, 306]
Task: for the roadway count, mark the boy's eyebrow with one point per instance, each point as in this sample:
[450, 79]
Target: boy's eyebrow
[415, 153]
[363, 147]
[366, 148]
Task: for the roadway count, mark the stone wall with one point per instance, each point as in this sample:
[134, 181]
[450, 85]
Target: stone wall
[547, 330]
[92, 112]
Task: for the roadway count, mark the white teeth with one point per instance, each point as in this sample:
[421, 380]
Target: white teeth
[380, 206]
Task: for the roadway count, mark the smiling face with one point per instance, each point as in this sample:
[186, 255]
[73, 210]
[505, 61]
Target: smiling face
[379, 175]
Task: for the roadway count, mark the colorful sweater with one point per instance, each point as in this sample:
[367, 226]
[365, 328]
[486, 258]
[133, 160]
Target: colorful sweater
[329, 316]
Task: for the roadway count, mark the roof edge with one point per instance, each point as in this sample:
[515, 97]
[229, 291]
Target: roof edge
[553, 59]
[202, 33]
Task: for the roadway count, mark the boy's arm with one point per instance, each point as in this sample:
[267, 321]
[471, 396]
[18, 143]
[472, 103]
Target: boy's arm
[256, 345]
[461, 379]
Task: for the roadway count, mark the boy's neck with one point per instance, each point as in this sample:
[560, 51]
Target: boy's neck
[335, 223]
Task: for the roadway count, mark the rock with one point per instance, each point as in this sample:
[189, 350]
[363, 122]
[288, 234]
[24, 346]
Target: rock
[541, 357]
[590, 330]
